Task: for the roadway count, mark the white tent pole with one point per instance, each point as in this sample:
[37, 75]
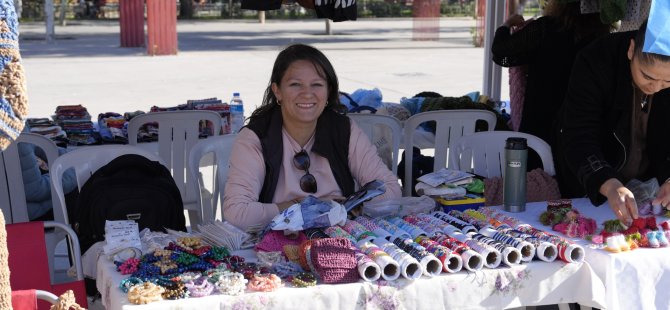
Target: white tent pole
[495, 14]
[49, 15]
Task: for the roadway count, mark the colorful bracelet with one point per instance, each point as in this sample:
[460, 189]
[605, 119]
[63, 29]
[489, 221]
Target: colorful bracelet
[304, 279]
[231, 283]
[199, 287]
[145, 293]
[264, 283]
[126, 284]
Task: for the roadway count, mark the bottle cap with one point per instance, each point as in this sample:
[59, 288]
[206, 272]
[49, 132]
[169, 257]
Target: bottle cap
[236, 94]
[516, 143]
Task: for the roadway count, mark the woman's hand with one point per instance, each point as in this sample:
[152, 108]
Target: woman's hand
[621, 200]
[663, 196]
[513, 20]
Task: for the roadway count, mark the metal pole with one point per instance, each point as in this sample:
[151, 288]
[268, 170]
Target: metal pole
[49, 16]
[329, 31]
[261, 17]
[495, 13]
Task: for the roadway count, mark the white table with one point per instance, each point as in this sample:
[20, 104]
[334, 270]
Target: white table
[638, 279]
[537, 283]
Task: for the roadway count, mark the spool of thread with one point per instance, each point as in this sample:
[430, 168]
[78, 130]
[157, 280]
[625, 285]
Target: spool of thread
[472, 261]
[567, 251]
[338, 232]
[358, 231]
[428, 227]
[315, 233]
[526, 249]
[412, 229]
[395, 231]
[510, 255]
[373, 227]
[462, 225]
[390, 270]
[545, 251]
[492, 256]
[367, 269]
[451, 262]
[409, 267]
[477, 223]
[430, 265]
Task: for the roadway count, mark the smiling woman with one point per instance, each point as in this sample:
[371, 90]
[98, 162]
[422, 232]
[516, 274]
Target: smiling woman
[298, 138]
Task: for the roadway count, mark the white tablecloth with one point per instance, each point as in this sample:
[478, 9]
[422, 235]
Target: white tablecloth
[638, 279]
[537, 283]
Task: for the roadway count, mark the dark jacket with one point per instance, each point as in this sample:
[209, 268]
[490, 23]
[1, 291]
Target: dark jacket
[548, 51]
[594, 132]
[331, 140]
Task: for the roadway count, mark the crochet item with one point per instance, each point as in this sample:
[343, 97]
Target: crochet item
[334, 260]
[275, 240]
[5, 289]
[13, 98]
[540, 186]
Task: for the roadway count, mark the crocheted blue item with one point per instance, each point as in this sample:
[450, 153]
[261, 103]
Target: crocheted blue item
[13, 102]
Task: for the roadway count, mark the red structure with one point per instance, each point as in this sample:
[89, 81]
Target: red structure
[426, 21]
[161, 27]
[131, 21]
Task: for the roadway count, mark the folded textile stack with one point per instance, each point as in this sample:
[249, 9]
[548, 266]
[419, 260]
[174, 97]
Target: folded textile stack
[45, 127]
[113, 128]
[76, 122]
[216, 105]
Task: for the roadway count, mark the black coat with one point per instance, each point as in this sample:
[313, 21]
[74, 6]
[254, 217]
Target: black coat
[594, 131]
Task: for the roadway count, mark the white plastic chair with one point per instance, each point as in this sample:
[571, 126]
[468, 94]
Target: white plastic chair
[483, 153]
[376, 127]
[220, 147]
[178, 132]
[449, 125]
[15, 207]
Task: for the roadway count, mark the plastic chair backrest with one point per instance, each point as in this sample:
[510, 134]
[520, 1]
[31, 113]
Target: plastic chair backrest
[178, 132]
[18, 212]
[220, 147]
[28, 260]
[85, 161]
[483, 153]
[449, 125]
[376, 126]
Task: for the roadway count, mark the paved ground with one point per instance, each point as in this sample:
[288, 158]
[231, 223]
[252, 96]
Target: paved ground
[216, 58]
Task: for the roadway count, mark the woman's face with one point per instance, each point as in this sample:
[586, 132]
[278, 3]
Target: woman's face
[302, 93]
[648, 77]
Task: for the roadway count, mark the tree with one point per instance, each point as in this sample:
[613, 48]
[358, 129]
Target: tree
[185, 9]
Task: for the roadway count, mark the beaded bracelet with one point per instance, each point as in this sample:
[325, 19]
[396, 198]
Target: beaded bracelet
[175, 290]
[126, 284]
[189, 276]
[304, 279]
[231, 283]
[199, 287]
[189, 242]
[130, 266]
[264, 283]
[286, 269]
[145, 293]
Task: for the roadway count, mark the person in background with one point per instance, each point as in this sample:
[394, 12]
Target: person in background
[613, 125]
[37, 182]
[547, 48]
[299, 143]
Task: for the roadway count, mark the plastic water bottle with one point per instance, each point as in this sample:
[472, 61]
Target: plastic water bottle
[514, 179]
[236, 113]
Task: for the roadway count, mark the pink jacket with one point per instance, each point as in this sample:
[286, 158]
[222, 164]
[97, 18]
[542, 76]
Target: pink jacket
[247, 171]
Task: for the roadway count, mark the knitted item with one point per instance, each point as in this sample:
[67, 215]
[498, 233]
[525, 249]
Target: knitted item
[13, 98]
[5, 289]
[334, 260]
[275, 240]
[539, 187]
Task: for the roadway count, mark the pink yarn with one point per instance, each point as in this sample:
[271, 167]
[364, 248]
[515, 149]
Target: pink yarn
[275, 240]
[539, 187]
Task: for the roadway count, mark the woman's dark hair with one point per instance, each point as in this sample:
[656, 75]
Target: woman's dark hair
[643, 57]
[289, 55]
[584, 26]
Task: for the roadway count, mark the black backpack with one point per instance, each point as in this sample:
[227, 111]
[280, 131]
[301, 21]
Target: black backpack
[130, 187]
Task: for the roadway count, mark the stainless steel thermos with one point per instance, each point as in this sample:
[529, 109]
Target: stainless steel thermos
[514, 177]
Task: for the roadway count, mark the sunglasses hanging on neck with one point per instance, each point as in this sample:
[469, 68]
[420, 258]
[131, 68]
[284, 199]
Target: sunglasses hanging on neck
[307, 182]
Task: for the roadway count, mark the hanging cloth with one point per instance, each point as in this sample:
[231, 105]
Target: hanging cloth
[336, 10]
[261, 5]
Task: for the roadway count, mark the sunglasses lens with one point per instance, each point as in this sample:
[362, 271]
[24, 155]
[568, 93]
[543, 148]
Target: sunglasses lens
[308, 183]
[301, 160]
